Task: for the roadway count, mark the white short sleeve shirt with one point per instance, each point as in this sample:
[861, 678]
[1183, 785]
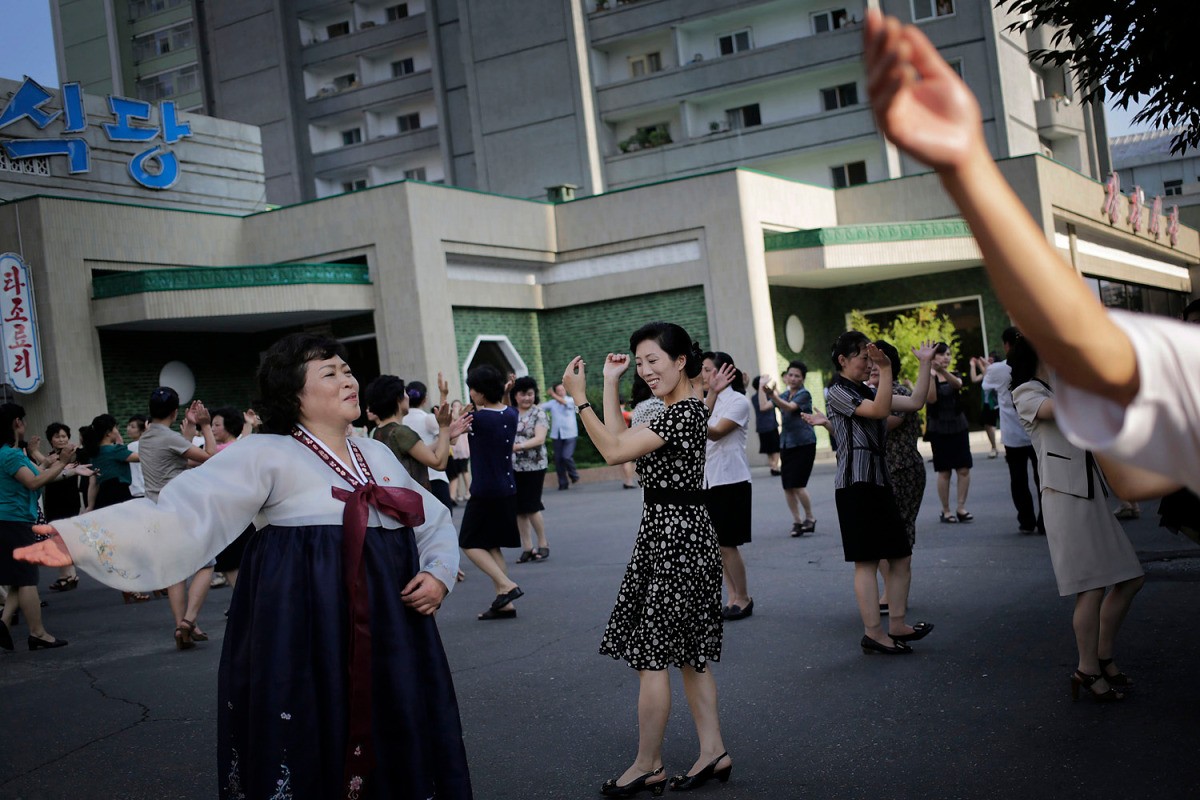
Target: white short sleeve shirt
[725, 458]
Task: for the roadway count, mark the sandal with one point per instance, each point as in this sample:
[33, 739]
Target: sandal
[948, 518]
[526, 556]
[504, 599]
[808, 526]
[65, 584]
[197, 635]
[1118, 680]
[965, 516]
[183, 637]
[495, 613]
[542, 554]
[135, 597]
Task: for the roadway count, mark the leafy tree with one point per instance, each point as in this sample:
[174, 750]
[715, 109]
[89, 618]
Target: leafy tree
[1126, 49]
[907, 331]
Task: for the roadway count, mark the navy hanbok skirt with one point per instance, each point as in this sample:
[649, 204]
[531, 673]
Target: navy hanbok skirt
[283, 715]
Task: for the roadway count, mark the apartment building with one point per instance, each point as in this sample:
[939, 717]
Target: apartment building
[514, 96]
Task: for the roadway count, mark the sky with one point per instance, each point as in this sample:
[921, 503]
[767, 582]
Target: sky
[27, 48]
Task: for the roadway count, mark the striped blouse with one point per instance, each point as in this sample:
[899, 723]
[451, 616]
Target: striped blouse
[860, 441]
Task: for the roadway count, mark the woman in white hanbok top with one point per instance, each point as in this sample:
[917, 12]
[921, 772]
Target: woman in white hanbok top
[333, 681]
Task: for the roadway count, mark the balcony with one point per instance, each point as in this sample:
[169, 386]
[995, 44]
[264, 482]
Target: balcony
[341, 159]
[720, 74]
[364, 40]
[640, 17]
[372, 95]
[740, 147]
[1039, 38]
[1059, 117]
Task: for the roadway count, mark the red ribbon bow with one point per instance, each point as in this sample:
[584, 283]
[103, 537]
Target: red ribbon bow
[406, 506]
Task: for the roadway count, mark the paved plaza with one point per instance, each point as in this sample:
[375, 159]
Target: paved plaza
[981, 710]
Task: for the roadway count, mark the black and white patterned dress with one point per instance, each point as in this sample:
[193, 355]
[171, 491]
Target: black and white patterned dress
[668, 609]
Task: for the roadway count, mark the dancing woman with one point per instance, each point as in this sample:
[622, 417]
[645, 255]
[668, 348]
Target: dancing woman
[872, 528]
[330, 628]
[1088, 548]
[668, 610]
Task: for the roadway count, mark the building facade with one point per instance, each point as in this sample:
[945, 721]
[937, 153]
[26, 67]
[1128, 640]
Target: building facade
[418, 278]
[1144, 161]
[514, 96]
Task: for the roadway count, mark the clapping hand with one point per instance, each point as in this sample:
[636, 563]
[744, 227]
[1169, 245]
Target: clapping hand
[251, 418]
[816, 418]
[767, 382]
[512, 378]
[878, 357]
[574, 379]
[615, 365]
[199, 414]
[443, 390]
[459, 426]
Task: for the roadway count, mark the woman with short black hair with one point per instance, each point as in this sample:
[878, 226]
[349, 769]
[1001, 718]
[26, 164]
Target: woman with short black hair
[946, 425]
[330, 628]
[529, 468]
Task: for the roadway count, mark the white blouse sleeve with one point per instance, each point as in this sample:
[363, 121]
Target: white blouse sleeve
[141, 545]
[1160, 429]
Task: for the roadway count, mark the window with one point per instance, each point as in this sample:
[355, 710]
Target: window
[398, 11]
[743, 117]
[849, 174]
[409, 122]
[1173, 188]
[840, 96]
[337, 29]
[141, 8]
[931, 9]
[166, 85]
[355, 185]
[417, 174]
[159, 43]
[826, 21]
[348, 81]
[732, 43]
[642, 65]
[402, 67]
[352, 136]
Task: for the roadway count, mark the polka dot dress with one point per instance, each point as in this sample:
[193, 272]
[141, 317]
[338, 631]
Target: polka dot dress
[668, 610]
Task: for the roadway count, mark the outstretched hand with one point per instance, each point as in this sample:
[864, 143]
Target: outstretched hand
[722, 378]
[920, 103]
[574, 379]
[816, 418]
[50, 552]
[925, 351]
[615, 365]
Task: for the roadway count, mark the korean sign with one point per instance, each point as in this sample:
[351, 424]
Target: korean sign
[156, 167]
[18, 326]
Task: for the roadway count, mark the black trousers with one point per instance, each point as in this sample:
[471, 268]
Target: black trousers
[1018, 475]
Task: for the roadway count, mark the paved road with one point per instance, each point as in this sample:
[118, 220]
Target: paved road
[982, 709]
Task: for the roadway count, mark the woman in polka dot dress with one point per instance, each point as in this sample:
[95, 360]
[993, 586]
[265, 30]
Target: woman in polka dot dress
[668, 609]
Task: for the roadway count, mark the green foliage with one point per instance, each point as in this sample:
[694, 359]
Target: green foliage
[1126, 49]
[907, 331]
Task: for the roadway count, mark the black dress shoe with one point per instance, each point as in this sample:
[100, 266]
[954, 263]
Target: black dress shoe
[685, 783]
[41, 644]
[638, 784]
[920, 631]
[6, 642]
[739, 612]
[870, 647]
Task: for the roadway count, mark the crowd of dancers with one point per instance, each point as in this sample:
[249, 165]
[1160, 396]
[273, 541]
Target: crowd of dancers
[350, 539]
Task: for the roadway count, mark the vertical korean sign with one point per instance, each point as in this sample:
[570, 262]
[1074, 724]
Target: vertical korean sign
[18, 326]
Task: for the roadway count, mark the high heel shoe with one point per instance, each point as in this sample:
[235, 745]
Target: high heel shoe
[638, 784]
[41, 644]
[684, 783]
[1118, 680]
[1082, 679]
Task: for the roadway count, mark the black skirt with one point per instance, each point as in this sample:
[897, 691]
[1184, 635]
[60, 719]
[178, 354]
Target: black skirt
[951, 451]
[729, 508]
[12, 572]
[489, 522]
[872, 527]
[796, 464]
[231, 556]
[768, 442]
[529, 490]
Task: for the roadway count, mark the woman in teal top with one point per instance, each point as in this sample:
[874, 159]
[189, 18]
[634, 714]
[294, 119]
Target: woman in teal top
[110, 459]
[20, 486]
